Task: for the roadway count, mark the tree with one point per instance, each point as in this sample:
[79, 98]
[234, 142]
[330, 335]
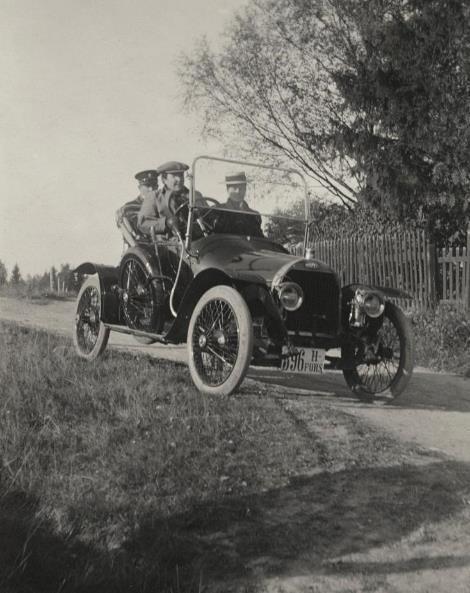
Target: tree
[66, 277]
[15, 277]
[370, 98]
[3, 274]
[269, 92]
[409, 93]
[53, 277]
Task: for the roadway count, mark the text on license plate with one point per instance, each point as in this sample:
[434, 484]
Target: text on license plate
[305, 360]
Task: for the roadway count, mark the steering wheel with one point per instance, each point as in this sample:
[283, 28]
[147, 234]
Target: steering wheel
[181, 214]
[207, 214]
[201, 213]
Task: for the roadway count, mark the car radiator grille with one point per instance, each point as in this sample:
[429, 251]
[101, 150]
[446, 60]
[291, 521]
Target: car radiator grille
[320, 310]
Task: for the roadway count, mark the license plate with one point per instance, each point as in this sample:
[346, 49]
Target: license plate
[305, 360]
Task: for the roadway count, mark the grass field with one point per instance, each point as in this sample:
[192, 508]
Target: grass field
[118, 476]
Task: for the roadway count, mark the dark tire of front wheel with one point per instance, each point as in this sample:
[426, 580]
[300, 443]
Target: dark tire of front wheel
[220, 341]
[90, 336]
[391, 375]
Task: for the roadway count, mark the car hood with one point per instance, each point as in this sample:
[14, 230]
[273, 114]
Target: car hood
[251, 259]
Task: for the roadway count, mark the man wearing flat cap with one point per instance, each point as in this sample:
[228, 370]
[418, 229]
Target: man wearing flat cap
[158, 210]
[242, 220]
[148, 185]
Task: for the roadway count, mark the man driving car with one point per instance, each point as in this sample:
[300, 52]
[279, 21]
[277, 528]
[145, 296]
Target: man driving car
[157, 211]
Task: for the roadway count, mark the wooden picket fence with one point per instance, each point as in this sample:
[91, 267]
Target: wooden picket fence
[453, 275]
[406, 260]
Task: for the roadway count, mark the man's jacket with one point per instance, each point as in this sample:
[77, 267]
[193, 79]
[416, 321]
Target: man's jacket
[245, 221]
[156, 209]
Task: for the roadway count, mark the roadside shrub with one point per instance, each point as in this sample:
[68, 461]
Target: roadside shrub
[442, 339]
[333, 221]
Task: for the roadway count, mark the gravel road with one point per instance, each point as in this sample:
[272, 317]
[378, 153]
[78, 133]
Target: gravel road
[432, 412]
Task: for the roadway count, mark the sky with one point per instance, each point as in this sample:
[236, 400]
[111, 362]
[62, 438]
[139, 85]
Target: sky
[89, 97]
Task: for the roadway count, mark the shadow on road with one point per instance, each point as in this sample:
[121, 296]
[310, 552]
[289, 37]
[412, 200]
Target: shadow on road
[304, 527]
[426, 390]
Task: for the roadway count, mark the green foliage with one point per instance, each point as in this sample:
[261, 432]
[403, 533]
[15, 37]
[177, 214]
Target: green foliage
[442, 339]
[39, 285]
[3, 274]
[118, 476]
[369, 98]
[409, 95]
[110, 449]
[268, 94]
[284, 230]
[333, 221]
[15, 277]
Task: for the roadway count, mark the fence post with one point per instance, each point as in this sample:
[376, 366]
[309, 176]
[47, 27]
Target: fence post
[468, 267]
[431, 257]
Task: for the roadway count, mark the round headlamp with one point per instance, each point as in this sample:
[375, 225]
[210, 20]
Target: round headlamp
[291, 296]
[373, 305]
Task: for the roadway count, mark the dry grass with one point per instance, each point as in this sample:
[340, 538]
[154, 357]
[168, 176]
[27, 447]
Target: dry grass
[443, 339]
[105, 447]
[118, 476]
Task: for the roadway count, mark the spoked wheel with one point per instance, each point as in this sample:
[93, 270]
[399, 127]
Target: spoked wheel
[382, 359]
[90, 336]
[220, 341]
[140, 302]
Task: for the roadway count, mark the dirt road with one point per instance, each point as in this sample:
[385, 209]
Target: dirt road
[432, 412]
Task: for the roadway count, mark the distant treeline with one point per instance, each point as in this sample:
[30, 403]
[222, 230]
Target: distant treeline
[53, 280]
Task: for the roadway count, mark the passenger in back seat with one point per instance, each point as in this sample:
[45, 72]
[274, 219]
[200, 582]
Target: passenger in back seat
[148, 185]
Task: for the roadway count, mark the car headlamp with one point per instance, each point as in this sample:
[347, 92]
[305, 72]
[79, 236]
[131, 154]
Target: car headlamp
[370, 302]
[291, 296]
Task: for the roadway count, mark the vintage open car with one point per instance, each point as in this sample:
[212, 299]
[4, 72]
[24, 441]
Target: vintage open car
[239, 300]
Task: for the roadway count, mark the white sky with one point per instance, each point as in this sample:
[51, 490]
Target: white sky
[89, 96]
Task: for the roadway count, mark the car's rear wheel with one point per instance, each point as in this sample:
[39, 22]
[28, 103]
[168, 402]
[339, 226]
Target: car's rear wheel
[90, 335]
[141, 301]
[220, 341]
[381, 362]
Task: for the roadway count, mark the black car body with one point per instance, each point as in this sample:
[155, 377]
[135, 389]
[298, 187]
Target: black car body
[239, 300]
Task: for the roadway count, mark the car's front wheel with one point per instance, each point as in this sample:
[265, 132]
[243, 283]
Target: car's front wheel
[220, 341]
[90, 336]
[380, 361]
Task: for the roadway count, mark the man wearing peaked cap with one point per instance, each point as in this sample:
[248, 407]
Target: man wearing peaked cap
[148, 178]
[158, 210]
[147, 183]
[243, 220]
[172, 167]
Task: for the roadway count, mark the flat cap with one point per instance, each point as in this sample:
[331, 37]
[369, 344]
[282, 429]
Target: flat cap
[235, 178]
[149, 178]
[172, 167]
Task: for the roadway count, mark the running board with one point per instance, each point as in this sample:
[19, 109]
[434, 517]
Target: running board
[135, 332]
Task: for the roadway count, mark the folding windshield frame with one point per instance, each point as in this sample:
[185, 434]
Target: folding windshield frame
[192, 192]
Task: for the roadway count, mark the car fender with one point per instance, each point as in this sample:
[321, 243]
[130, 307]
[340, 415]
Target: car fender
[147, 257]
[385, 292]
[201, 283]
[109, 278]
